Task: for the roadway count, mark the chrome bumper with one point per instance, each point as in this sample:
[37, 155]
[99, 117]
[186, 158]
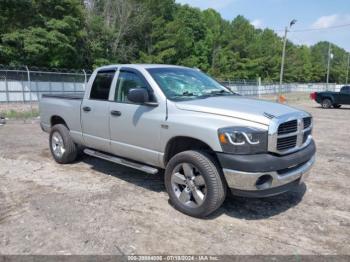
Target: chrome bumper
[248, 181]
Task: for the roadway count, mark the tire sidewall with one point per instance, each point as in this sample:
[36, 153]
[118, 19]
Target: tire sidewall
[64, 132]
[186, 157]
[326, 103]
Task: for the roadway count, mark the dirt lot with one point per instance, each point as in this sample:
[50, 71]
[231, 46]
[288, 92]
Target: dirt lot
[95, 207]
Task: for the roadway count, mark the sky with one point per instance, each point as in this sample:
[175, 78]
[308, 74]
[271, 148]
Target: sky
[311, 15]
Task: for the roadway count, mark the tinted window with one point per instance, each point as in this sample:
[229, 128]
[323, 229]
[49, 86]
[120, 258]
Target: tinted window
[127, 81]
[345, 89]
[102, 85]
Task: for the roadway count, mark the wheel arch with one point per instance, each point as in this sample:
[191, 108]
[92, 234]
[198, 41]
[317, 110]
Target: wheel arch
[180, 144]
[327, 97]
[56, 119]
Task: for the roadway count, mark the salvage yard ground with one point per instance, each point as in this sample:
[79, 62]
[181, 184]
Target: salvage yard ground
[95, 207]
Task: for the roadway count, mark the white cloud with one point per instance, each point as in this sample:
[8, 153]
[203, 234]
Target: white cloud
[331, 20]
[257, 23]
[205, 4]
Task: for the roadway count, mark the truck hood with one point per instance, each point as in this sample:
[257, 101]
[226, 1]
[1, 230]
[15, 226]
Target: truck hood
[254, 110]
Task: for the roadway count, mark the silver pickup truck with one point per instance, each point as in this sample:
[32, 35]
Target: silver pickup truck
[206, 137]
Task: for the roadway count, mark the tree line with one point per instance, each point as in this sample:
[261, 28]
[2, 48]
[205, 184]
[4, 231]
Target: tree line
[90, 33]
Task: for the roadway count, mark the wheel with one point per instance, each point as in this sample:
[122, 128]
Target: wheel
[326, 103]
[195, 183]
[62, 147]
[336, 106]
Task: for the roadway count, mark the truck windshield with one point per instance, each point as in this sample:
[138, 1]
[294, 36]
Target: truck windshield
[186, 83]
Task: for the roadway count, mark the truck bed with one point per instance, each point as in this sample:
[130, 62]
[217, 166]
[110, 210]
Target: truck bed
[61, 106]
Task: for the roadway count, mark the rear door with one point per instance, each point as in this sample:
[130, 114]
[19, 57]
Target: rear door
[95, 112]
[135, 128]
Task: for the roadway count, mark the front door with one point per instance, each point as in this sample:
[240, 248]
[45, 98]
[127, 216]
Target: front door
[95, 112]
[135, 128]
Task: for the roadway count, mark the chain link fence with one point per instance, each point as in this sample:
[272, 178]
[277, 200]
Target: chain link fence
[271, 89]
[257, 88]
[27, 85]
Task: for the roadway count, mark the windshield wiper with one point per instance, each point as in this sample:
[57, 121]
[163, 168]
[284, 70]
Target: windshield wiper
[185, 94]
[219, 93]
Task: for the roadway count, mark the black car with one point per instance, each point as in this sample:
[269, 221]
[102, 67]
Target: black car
[330, 99]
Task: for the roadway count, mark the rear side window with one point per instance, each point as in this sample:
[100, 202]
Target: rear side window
[345, 89]
[102, 84]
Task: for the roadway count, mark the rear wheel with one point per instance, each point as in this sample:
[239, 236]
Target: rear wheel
[194, 183]
[62, 146]
[326, 103]
[336, 106]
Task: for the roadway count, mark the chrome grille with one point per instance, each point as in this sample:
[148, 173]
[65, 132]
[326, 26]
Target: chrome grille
[286, 142]
[288, 127]
[307, 122]
[290, 133]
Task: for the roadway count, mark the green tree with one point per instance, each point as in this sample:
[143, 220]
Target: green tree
[52, 37]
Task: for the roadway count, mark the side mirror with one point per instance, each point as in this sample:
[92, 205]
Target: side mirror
[138, 95]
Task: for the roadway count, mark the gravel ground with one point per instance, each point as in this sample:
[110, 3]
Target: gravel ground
[95, 207]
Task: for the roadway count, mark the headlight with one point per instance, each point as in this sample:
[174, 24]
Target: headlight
[243, 140]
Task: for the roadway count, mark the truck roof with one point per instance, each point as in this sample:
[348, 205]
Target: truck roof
[139, 66]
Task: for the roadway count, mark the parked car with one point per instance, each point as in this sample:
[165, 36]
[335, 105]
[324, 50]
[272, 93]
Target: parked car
[2, 120]
[330, 99]
[207, 138]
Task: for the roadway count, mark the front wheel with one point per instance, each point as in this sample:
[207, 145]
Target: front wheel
[195, 183]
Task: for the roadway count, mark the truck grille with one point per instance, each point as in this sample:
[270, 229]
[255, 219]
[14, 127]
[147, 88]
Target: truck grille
[288, 127]
[286, 143]
[307, 122]
[293, 134]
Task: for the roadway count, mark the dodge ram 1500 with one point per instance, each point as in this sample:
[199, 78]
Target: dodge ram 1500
[207, 138]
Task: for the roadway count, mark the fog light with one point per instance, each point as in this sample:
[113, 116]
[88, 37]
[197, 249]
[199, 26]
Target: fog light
[264, 182]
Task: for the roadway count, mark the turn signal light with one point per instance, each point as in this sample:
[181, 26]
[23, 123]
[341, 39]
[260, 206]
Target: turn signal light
[222, 138]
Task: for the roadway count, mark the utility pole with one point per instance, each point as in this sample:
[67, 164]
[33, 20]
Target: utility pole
[284, 52]
[329, 63]
[347, 70]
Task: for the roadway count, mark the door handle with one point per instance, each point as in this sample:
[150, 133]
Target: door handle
[87, 109]
[116, 113]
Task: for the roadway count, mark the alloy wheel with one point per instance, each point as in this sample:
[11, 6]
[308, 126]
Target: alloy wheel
[188, 185]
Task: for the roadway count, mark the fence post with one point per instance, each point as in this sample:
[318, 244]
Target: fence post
[85, 79]
[75, 85]
[62, 87]
[259, 85]
[37, 91]
[23, 94]
[7, 88]
[30, 92]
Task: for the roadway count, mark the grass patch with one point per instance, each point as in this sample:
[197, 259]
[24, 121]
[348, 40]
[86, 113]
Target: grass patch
[13, 114]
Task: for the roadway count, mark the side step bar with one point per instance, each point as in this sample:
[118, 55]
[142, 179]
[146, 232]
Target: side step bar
[121, 161]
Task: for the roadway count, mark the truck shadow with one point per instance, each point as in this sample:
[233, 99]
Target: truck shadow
[237, 207]
[260, 208]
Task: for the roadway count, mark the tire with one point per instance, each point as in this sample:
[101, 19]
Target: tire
[336, 106]
[207, 178]
[326, 103]
[62, 147]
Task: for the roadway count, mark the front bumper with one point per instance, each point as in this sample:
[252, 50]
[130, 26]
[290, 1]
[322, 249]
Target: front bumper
[269, 175]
